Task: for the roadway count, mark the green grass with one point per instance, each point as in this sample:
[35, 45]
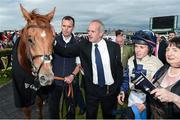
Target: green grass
[5, 77]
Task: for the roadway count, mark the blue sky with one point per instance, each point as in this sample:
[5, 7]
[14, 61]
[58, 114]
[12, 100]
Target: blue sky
[122, 14]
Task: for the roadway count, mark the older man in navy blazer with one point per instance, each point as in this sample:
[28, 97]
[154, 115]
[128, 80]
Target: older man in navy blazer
[105, 93]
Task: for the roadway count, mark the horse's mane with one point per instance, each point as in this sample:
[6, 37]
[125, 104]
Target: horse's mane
[23, 58]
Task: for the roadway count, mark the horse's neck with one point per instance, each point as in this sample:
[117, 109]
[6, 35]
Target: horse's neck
[22, 56]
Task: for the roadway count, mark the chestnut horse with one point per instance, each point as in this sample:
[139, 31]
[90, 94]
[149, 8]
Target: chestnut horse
[31, 65]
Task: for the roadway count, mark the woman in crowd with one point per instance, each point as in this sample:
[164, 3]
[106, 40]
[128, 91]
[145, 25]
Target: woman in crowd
[164, 101]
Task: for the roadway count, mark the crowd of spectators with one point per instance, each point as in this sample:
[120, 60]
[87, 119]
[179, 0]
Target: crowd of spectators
[7, 39]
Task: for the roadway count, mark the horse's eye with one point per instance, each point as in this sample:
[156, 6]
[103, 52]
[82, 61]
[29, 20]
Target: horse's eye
[30, 40]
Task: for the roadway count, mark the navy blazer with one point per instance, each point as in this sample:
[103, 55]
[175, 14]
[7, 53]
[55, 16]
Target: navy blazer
[83, 50]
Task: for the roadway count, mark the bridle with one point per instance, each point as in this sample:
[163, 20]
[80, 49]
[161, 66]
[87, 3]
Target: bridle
[44, 58]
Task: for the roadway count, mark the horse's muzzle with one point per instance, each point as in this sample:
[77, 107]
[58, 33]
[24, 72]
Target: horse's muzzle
[46, 79]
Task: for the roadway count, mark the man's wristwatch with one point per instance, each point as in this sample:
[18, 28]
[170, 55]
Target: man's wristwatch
[73, 74]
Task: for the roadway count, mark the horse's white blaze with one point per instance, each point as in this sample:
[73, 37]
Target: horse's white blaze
[43, 34]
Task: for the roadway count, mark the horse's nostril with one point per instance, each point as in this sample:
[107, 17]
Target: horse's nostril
[46, 79]
[42, 78]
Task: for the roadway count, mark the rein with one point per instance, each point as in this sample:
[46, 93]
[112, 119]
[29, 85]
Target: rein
[70, 87]
[45, 59]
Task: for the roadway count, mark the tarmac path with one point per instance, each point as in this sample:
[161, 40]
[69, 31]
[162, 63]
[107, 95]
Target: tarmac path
[8, 109]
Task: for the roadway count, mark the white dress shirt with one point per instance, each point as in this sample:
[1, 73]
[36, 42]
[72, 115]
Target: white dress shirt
[66, 40]
[102, 46]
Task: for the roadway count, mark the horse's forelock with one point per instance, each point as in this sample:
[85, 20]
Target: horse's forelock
[38, 18]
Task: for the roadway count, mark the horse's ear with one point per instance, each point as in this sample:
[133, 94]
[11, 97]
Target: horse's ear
[51, 14]
[25, 13]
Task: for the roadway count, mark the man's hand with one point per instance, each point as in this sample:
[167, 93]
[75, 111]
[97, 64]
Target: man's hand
[69, 79]
[121, 97]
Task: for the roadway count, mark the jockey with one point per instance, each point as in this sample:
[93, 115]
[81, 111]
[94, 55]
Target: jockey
[142, 62]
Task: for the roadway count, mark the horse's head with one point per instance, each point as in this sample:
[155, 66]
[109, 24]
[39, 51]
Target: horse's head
[36, 46]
